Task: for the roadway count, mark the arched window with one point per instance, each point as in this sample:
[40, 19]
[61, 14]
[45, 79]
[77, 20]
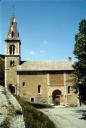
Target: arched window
[39, 88]
[12, 63]
[32, 99]
[12, 49]
[23, 84]
[12, 34]
[68, 89]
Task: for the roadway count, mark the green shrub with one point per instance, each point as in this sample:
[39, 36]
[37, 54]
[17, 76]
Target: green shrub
[38, 105]
[18, 112]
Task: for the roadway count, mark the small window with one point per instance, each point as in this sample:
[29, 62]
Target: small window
[32, 99]
[12, 63]
[18, 34]
[68, 89]
[12, 34]
[23, 84]
[12, 23]
[39, 88]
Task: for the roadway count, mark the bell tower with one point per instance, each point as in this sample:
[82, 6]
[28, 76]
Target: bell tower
[12, 53]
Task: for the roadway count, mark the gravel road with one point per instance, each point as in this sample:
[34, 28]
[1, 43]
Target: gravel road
[67, 117]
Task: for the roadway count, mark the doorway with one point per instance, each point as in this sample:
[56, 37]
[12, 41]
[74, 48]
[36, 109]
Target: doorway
[56, 97]
[11, 88]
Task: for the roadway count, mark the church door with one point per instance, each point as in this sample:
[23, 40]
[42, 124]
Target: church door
[56, 97]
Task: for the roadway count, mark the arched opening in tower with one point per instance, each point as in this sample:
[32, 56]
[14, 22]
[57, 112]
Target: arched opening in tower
[12, 49]
[11, 88]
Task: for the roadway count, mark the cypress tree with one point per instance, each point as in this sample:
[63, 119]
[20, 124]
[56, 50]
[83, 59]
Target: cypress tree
[80, 64]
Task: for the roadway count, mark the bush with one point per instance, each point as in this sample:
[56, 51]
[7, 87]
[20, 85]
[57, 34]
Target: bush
[38, 105]
[18, 112]
[34, 118]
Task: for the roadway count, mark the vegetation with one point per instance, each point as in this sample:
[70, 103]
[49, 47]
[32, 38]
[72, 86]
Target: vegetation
[5, 124]
[39, 105]
[34, 118]
[80, 64]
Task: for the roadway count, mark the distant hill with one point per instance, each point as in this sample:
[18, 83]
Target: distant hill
[2, 69]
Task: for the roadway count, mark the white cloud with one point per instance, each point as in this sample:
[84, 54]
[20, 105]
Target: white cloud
[32, 52]
[42, 51]
[45, 42]
[52, 57]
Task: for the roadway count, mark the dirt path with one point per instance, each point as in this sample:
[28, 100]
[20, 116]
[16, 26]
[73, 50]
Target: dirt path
[67, 117]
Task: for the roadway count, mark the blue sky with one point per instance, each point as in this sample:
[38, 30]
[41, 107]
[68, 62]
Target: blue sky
[47, 27]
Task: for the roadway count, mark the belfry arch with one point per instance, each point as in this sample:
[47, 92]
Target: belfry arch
[12, 49]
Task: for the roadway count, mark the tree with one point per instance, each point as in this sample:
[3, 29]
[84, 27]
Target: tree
[80, 64]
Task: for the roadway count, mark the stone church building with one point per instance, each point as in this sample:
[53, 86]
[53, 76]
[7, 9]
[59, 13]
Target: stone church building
[36, 81]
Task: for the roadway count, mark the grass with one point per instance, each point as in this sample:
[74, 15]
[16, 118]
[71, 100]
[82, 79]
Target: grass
[34, 118]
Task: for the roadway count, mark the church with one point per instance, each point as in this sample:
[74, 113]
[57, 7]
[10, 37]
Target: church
[46, 82]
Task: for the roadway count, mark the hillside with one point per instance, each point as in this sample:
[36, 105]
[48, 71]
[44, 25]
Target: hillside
[10, 111]
[13, 116]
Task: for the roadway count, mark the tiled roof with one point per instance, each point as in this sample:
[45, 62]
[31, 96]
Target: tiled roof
[45, 65]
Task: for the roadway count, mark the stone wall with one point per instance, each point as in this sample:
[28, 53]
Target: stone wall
[28, 87]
